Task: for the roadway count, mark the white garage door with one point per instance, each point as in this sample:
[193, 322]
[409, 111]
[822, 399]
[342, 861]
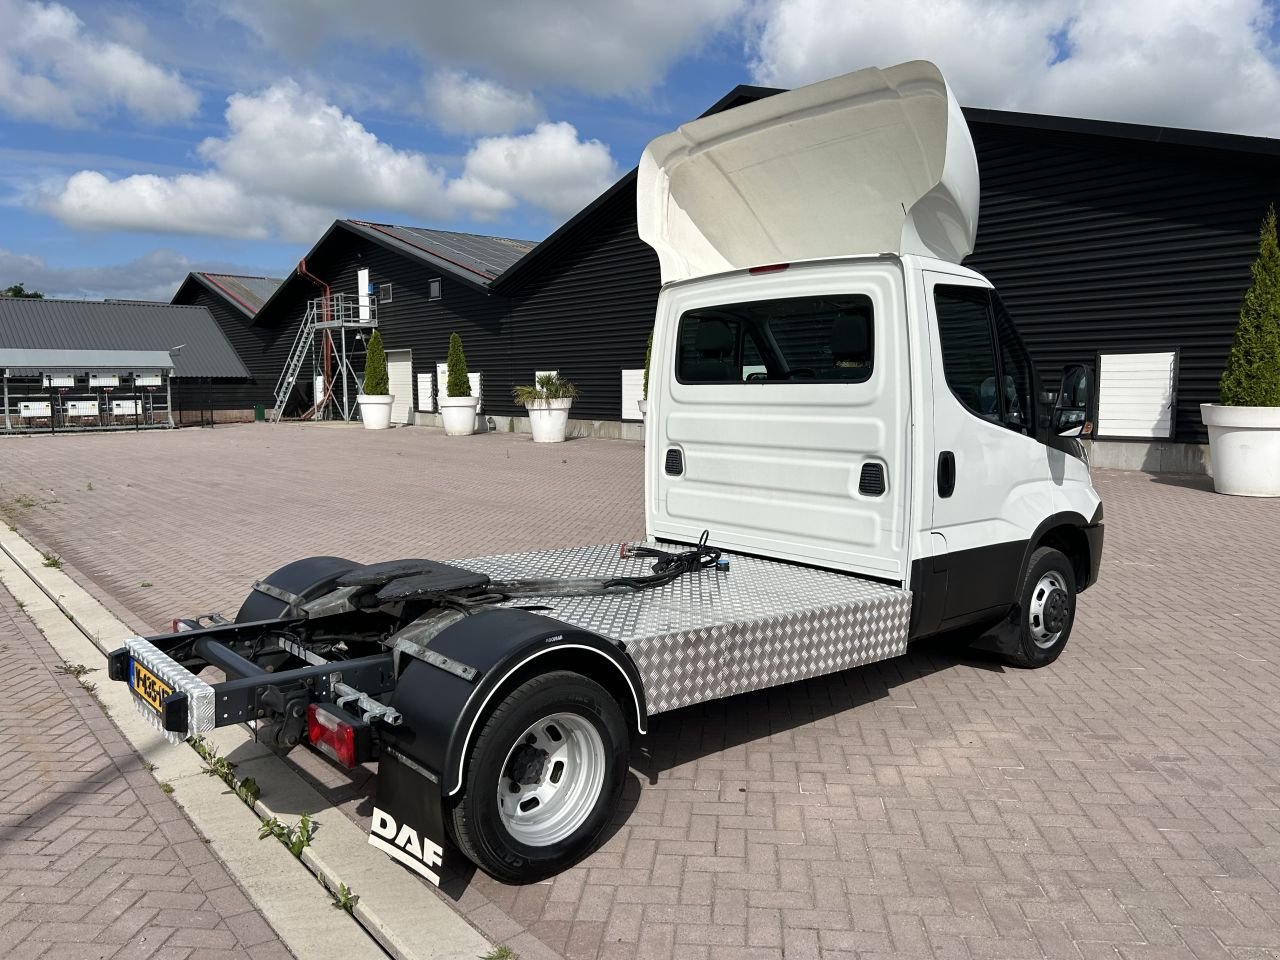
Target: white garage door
[400, 373]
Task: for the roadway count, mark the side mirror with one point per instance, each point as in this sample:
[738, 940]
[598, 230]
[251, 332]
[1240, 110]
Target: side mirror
[1074, 412]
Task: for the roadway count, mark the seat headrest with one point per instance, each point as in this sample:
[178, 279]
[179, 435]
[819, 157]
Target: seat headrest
[849, 339]
[714, 338]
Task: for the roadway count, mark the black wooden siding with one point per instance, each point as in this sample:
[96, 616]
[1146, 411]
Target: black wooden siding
[1098, 243]
[249, 343]
[588, 315]
[1095, 242]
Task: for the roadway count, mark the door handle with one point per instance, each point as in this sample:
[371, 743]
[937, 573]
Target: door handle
[946, 473]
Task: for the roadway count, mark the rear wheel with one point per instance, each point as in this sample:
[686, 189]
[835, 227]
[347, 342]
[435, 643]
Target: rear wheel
[1047, 609]
[543, 778]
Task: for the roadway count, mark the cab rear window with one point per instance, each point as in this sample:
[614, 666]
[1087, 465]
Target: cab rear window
[826, 339]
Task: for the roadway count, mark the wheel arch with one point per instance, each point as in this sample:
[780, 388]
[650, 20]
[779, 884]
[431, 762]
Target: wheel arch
[1065, 532]
[503, 648]
[586, 659]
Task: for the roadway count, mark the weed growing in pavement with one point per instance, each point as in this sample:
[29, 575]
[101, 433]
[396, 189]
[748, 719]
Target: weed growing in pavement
[166, 787]
[77, 670]
[249, 791]
[90, 486]
[215, 765]
[222, 768]
[343, 898]
[146, 583]
[51, 559]
[500, 953]
[297, 837]
[21, 605]
[148, 766]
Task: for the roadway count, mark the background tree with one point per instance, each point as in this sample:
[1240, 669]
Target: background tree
[20, 291]
[1252, 374]
[376, 381]
[458, 381]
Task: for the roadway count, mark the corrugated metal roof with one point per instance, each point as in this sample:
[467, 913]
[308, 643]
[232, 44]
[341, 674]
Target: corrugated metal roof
[25, 361]
[247, 293]
[484, 258]
[88, 325]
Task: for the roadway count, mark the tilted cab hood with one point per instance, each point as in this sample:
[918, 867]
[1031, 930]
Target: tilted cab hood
[877, 161]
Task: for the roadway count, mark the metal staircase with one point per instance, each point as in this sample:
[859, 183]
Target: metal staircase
[298, 354]
[322, 338]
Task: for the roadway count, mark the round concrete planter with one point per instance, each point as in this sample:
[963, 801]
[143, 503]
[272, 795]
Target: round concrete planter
[375, 410]
[459, 415]
[1244, 449]
[548, 419]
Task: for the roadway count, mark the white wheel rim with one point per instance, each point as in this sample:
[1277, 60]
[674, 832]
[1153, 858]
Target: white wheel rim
[551, 779]
[1048, 610]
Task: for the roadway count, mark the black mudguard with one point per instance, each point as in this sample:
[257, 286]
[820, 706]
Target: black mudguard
[422, 760]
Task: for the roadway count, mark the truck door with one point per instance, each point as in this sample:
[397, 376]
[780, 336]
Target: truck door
[991, 479]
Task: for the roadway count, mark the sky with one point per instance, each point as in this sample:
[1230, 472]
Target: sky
[140, 141]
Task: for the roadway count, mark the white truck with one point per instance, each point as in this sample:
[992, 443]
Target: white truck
[846, 409]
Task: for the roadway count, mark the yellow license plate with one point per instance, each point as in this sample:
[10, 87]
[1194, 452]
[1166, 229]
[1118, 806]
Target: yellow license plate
[147, 687]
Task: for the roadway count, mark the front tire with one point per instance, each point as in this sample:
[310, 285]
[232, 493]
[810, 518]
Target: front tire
[543, 778]
[1047, 609]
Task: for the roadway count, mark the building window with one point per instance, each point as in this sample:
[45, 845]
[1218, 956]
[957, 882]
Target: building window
[384, 293]
[433, 289]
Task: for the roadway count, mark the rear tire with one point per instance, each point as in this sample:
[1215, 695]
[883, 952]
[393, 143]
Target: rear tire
[543, 778]
[1046, 609]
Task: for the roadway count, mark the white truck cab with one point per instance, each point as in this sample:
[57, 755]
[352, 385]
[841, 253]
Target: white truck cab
[826, 388]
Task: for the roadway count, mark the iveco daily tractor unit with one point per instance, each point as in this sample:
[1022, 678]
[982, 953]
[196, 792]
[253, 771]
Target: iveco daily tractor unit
[847, 449]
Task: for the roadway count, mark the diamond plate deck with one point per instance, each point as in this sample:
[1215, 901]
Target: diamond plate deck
[712, 634]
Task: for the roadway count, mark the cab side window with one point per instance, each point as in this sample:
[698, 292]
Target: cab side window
[985, 362]
[968, 350]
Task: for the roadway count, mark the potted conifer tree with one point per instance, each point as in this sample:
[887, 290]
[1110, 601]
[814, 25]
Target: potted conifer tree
[1244, 429]
[643, 403]
[458, 409]
[548, 401]
[375, 398]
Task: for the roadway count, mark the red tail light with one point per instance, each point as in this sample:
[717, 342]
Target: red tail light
[769, 268]
[332, 735]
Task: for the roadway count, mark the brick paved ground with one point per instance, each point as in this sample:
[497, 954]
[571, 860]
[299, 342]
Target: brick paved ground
[1123, 803]
[95, 861]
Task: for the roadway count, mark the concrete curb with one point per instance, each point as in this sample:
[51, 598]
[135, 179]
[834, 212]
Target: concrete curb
[403, 915]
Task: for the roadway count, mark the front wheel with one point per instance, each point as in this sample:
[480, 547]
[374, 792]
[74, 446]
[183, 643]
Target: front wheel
[1047, 609]
[543, 778]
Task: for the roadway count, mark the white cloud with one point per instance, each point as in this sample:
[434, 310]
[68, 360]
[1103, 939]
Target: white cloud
[601, 48]
[284, 141]
[154, 276]
[199, 203]
[549, 168]
[53, 70]
[471, 105]
[1194, 63]
[290, 163]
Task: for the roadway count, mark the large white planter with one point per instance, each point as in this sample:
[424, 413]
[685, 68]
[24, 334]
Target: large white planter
[1244, 449]
[375, 410]
[459, 415]
[548, 419]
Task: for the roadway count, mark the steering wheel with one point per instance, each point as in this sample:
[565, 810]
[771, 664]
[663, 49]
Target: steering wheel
[757, 376]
